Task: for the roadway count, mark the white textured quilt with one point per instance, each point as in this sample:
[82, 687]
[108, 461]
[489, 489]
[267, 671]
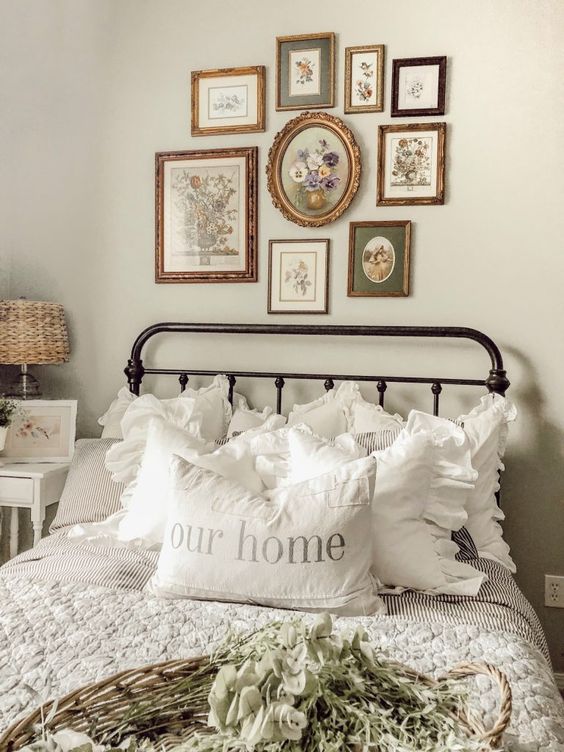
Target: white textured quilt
[57, 635]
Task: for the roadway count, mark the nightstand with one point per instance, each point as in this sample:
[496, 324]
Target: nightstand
[30, 486]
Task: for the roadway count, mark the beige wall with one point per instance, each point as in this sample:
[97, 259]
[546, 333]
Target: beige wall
[90, 89]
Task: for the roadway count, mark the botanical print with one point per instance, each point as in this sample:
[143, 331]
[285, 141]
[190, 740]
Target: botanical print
[298, 274]
[378, 259]
[36, 431]
[414, 86]
[411, 161]
[363, 79]
[419, 87]
[206, 220]
[314, 174]
[304, 72]
[227, 102]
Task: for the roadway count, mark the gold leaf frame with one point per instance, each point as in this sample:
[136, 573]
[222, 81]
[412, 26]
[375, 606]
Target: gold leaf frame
[197, 76]
[276, 154]
[379, 51]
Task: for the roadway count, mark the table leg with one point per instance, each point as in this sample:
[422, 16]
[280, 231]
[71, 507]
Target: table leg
[14, 532]
[37, 530]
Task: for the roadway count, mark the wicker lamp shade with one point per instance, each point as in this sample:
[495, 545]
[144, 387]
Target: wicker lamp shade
[32, 332]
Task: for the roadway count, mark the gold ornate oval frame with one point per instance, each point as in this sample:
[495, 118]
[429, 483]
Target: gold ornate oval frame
[276, 155]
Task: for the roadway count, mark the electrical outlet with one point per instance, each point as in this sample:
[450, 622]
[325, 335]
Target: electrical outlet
[554, 590]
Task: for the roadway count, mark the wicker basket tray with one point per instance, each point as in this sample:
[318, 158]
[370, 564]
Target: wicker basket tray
[104, 703]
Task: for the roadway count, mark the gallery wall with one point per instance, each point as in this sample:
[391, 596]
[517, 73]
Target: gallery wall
[91, 89]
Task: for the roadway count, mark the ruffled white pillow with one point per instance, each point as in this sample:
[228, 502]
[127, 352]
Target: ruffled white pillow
[363, 416]
[326, 416]
[244, 418]
[111, 419]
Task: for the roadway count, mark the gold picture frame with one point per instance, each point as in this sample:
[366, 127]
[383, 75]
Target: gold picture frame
[206, 215]
[228, 100]
[379, 259]
[365, 65]
[313, 169]
[312, 58]
[411, 164]
[298, 276]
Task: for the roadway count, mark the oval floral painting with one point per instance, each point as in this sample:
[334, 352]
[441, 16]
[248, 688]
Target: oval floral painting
[378, 259]
[315, 171]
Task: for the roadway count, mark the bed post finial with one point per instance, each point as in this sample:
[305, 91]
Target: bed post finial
[134, 372]
[497, 382]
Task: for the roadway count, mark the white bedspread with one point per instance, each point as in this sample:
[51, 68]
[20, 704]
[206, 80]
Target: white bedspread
[60, 636]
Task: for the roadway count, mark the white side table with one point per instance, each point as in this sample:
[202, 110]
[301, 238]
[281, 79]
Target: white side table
[30, 486]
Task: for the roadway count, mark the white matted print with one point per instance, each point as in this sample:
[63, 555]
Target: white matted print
[44, 431]
[411, 164]
[298, 276]
[304, 72]
[364, 79]
[418, 87]
[228, 100]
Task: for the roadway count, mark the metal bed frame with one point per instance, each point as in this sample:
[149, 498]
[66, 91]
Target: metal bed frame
[496, 381]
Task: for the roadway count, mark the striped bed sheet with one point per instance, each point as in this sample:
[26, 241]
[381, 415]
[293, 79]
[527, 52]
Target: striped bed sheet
[500, 605]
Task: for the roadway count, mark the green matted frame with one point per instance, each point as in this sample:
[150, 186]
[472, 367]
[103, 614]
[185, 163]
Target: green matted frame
[363, 276]
[325, 43]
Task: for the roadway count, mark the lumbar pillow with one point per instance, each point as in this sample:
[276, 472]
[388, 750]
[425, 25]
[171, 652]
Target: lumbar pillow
[306, 548]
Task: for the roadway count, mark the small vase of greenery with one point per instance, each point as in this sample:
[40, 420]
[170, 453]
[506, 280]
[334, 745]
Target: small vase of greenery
[9, 410]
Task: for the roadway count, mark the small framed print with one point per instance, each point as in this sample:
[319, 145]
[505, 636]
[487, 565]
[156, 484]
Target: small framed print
[228, 100]
[411, 164]
[298, 276]
[364, 79]
[418, 86]
[44, 431]
[206, 215]
[305, 71]
[379, 259]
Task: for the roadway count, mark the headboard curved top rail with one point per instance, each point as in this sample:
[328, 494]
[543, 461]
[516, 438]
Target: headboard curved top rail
[496, 381]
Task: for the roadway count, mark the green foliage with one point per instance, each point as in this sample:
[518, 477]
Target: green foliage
[9, 409]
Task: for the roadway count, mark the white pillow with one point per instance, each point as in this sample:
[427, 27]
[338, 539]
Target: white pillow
[311, 456]
[111, 419]
[486, 427]
[244, 419]
[363, 416]
[148, 505]
[224, 543]
[423, 482]
[325, 416]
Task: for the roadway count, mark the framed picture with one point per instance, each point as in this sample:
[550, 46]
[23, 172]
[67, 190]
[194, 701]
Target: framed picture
[364, 79]
[44, 431]
[418, 86]
[411, 164]
[379, 259]
[313, 169]
[206, 215]
[228, 100]
[305, 71]
[298, 276]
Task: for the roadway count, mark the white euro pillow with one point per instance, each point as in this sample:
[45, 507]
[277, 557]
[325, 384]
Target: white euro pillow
[311, 456]
[245, 418]
[326, 416]
[111, 419]
[147, 507]
[308, 548]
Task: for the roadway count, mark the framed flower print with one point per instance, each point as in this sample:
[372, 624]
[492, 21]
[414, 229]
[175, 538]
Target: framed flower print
[206, 215]
[418, 86]
[228, 100]
[364, 79]
[298, 276]
[305, 71]
[44, 431]
[379, 259]
[313, 169]
[411, 164]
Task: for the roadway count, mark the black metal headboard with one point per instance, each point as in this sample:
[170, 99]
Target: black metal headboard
[496, 381]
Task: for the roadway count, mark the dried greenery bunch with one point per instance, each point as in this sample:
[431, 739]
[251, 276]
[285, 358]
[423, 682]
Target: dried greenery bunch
[292, 688]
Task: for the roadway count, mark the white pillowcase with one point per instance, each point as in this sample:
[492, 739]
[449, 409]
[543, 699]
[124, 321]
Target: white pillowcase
[111, 419]
[311, 456]
[363, 416]
[244, 418]
[308, 548]
[486, 427]
[147, 507]
[325, 416]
